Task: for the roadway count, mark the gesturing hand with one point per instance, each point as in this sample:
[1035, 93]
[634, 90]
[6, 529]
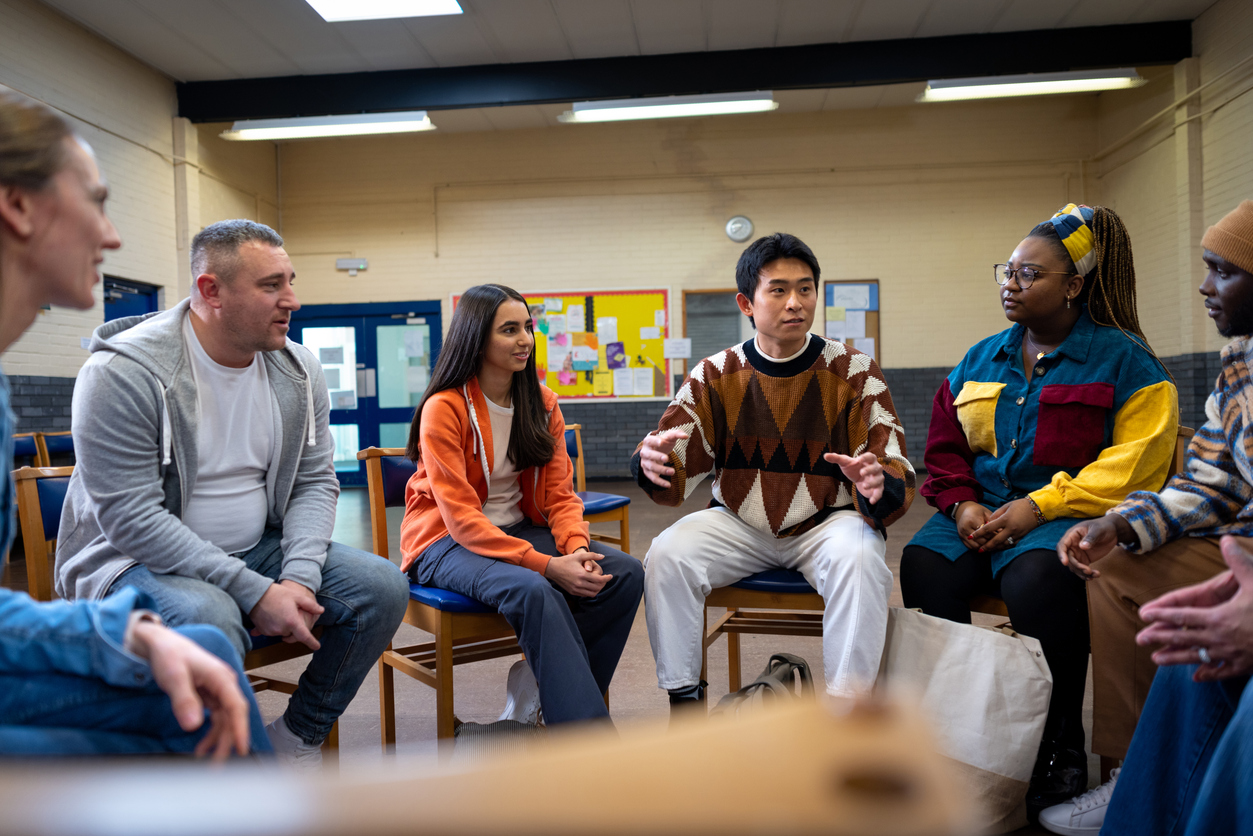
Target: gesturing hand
[287, 609]
[196, 680]
[863, 471]
[578, 573]
[1216, 616]
[655, 456]
[1090, 540]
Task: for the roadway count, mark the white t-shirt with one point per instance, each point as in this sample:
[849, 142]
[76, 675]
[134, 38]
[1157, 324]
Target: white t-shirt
[504, 495]
[228, 506]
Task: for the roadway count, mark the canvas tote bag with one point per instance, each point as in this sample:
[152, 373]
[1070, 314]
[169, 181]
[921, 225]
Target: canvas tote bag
[986, 691]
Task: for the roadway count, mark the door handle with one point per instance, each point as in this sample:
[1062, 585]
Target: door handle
[366, 383]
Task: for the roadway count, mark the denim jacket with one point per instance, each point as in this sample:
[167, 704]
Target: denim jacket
[83, 638]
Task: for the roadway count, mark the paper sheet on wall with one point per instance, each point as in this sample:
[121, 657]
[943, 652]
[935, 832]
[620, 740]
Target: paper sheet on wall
[556, 323]
[576, 318]
[586, 358]
[557, 353]
[331, 356]
[623, 381]
[854, 324]
[855, 296]
[835, 314]
[332, 378]
[653, 333]
[552, 305]
[416, 378]
[566, 378]
[602, 383]
[837, 329]
[615, 356]
[659, 318]
[414, 344]
[642, 381]
[866, 346]
[677, 348]
[607, 329]
[562, 340]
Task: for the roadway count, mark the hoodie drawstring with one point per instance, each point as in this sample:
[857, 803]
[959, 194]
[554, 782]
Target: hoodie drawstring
[310, 421]
[167, 431]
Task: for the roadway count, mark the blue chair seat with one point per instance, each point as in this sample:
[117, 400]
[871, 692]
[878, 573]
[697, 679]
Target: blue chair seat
[445, 600]
[259, 642]
[598, 503]
[775, 580]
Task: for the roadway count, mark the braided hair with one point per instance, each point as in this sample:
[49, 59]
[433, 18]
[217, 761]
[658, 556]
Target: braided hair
[1109, 289]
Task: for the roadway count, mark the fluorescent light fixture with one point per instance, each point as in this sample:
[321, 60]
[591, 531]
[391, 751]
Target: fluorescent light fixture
[335, 11]
[354, 124]
[1033, 84]
[667, 107]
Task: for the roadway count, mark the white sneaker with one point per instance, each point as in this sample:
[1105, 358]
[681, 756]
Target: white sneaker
[290, 750]
[1081, 814]
[521, 695]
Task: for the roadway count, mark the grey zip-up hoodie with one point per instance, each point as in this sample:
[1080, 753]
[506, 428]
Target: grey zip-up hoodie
[136, 420]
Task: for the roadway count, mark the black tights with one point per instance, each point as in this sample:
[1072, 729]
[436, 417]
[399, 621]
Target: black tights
[1045, 601]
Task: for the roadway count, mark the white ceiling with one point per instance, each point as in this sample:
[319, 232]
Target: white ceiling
[198, 40]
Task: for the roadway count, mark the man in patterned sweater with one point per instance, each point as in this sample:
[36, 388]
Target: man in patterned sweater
[1169, 539]
[809, 468]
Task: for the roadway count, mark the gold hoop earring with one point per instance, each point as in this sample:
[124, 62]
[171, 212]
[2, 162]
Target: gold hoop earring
[1067, 303]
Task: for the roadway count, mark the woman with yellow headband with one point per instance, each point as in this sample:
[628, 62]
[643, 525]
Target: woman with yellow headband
[1056, 418]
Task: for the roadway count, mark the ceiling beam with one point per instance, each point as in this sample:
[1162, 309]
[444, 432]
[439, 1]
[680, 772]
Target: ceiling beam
[780, 68]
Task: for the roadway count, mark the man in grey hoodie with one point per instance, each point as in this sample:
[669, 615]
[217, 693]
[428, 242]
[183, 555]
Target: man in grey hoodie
[205, 480]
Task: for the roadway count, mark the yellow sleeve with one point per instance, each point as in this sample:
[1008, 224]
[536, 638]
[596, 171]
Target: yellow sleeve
[1138, 459]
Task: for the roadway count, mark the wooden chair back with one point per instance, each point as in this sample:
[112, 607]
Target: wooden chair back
[54, 444]
[40, 496]
[574, 449]
[26, 451]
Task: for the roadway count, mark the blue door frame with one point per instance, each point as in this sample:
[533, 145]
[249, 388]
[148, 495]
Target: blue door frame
[366, 414]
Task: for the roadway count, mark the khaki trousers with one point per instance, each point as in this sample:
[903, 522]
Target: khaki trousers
[1122, 671]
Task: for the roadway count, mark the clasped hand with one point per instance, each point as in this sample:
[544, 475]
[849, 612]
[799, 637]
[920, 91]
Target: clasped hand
[579, 573]
[287, 609]
[986, 531]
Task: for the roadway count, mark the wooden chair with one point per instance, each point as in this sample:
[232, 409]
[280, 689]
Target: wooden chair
[26, 451]
[40, 497]
[464, 630]
[55, 444]
[598, 507]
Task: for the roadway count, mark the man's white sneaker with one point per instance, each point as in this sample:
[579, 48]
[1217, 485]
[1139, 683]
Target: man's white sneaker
[521, 695]
[1081, 814]
[291, 750]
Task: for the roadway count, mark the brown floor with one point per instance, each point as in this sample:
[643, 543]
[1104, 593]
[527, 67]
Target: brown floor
[480, 688]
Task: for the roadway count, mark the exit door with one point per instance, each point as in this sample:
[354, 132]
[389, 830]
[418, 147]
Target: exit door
[377, 360]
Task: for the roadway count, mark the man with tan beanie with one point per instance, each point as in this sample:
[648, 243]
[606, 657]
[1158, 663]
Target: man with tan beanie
[1156, 543]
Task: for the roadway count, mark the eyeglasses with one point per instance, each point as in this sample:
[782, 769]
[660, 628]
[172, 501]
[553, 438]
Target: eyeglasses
[1003, 273]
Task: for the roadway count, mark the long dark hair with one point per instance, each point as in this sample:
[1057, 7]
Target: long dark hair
[461, 357]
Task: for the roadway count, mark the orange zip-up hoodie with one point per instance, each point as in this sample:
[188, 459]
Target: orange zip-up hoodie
[446, 494]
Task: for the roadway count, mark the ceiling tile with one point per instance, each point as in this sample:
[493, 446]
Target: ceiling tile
[959, 17]
[460, 121]
[527, 30]
[382, 44]
[232, 39]
[814, 21]
[515, 118]
[742, 24]
[887, 21]
[665, 26]
[1021, 15]
[597, 28]
[899, 95]
[853, 98]
[452, 40]
[799, 101]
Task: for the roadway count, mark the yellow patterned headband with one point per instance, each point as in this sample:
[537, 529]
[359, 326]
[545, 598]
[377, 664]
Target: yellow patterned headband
[1072, 225]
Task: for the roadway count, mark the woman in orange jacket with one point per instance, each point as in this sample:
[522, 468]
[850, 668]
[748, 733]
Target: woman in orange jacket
[491, 511]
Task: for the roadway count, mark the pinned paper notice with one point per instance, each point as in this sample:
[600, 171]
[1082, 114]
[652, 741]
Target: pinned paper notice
[834, 314]
[566, 378]
[576, 318]
[659, 318]
[855, 323]
[642, 381]
[556, 323]
[650, 333]
[602, 383]
[854, 296]
[677, 348]
[558, 339]
[837, 329]
[607, 329]
[552, 305]
[623, 381]
[865, 346]
[615, 356]
[414, 344]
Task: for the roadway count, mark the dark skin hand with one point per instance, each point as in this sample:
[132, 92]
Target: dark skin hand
[1088, 541]
[982, 530]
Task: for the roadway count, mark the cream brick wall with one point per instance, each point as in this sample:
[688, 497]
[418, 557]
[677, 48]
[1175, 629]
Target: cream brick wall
[123, 109]
[237, 179]
[923, 198]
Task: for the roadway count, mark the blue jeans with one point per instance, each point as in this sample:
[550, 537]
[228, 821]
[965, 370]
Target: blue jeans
[1190, 766]
[56, 714]
[572, 644]
[365, 598]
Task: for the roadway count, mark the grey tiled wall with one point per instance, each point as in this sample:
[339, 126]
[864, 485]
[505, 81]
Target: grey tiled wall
[42, 404]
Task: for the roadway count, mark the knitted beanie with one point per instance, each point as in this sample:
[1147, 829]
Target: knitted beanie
[1232, 237]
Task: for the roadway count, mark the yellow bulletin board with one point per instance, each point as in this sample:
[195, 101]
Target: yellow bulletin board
[602, 344]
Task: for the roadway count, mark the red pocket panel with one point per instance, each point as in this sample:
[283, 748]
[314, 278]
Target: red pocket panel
[1070, 430]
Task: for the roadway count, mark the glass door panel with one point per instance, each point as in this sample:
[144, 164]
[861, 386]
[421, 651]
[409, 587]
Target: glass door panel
[347, 443]
[404, 364]
[336, 348]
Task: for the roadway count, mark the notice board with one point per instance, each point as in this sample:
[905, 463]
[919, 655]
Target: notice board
[851, 314]
[602, 344]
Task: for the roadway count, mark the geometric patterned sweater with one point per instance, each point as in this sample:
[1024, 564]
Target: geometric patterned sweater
[1214, 493]
[760, 428]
